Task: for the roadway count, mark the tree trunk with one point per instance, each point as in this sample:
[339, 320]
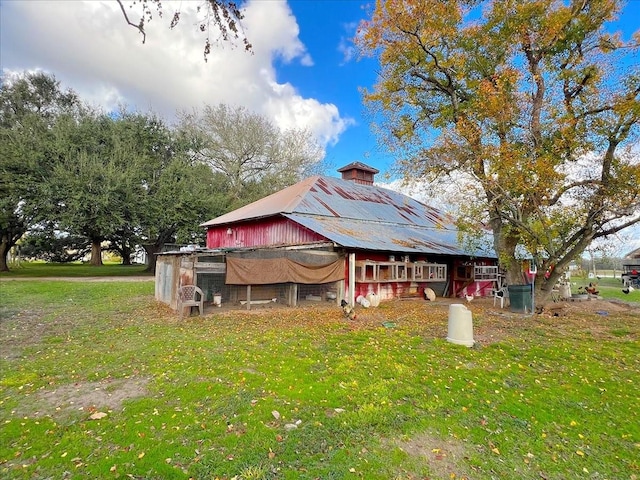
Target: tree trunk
[8, 239]
[156, 247]
[4, 253]
[126, 255]
[506, 245]
[96, 253]
[152, 249]
[541, 295]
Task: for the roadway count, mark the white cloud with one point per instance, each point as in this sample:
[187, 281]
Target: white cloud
[346, 46]
[273, 31]
[90, 48]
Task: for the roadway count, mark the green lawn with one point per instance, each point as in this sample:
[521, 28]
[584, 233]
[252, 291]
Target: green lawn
[608, 287]
[306, 394]
[42, 269]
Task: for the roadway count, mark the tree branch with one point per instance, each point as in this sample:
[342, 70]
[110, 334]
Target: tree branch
[138, 27]
[553, 200]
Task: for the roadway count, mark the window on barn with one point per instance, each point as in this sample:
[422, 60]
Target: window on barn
[487, 273]
[372, 271]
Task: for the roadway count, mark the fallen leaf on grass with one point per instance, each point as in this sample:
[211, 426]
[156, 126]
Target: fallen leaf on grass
[97, 415]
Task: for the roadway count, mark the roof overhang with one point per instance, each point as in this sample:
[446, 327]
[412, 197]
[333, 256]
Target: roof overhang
[391, 237]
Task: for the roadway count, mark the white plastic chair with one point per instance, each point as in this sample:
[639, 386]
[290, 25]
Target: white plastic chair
[499, 294]
[190, 296]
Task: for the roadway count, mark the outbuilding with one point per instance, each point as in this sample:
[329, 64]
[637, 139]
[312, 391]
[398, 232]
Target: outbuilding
[631, 269]
[328, 239]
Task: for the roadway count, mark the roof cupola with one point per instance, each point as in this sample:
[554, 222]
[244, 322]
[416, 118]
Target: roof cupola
[358, 172]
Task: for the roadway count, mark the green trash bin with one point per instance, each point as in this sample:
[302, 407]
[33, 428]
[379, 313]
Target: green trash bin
[520, 298]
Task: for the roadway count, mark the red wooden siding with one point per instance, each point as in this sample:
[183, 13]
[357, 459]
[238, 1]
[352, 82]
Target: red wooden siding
[267, 232]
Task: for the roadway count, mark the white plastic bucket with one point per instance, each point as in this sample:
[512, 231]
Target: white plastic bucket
[363, 301]
[217, 299]
[460, 329]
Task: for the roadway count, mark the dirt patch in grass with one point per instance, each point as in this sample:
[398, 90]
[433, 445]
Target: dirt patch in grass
[25, 328]
[86, 397]
[599, 305]
[445, 457]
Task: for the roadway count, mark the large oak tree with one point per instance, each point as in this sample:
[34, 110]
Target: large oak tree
[30, 106]
[532, 104]
[94, 185]
[124, 180]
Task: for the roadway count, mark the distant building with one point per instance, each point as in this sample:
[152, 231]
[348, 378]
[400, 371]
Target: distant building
[631, 269]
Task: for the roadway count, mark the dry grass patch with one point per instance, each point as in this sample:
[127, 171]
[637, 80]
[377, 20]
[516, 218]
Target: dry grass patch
[445, 457]
[85, 397]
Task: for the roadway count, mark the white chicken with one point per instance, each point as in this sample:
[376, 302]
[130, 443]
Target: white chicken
[469, 297]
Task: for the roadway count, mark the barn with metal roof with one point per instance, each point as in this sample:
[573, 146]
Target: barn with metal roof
[328, 238]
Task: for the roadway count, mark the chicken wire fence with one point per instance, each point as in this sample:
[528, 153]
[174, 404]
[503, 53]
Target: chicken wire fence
[279, 293]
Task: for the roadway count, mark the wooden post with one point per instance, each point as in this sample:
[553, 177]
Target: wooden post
[248, 297]
[340, 291]
[352, 279]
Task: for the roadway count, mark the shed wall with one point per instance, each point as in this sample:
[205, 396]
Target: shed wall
[172, 271]
[260, 233]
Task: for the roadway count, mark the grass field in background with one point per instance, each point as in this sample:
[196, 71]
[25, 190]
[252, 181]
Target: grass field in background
[305, 394]
[608, 287]
[42, 269]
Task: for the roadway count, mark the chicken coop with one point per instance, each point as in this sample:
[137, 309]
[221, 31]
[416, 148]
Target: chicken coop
[253, 277]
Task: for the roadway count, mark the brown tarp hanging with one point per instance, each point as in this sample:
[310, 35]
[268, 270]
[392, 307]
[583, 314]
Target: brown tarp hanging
[246, 271]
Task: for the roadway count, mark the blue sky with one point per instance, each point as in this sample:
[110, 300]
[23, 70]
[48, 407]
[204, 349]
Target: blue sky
[303, 72]
[326, 28]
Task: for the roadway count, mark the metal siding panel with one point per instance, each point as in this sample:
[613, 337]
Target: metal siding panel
[261, 233]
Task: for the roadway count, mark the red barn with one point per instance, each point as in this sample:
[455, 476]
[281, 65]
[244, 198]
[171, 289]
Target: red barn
[327, 238]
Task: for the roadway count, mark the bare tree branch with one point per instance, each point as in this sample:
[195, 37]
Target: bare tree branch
[139, 26]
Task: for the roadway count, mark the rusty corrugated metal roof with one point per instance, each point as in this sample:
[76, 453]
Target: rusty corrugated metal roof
[357, 216]
[329, 196]
[392, 237]
[284, 201]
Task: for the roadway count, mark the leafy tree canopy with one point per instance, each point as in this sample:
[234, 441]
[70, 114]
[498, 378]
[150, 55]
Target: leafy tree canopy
[30, 105]
[43, 242]
[533, 105]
